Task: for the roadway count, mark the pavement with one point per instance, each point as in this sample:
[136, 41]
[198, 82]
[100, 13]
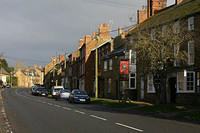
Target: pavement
[35, 114]
[4, 123]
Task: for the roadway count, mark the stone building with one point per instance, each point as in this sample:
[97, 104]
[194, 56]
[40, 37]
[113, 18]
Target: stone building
[153, 7]
[3, 75]
[30, 76]
[86, 46]
[183, 81]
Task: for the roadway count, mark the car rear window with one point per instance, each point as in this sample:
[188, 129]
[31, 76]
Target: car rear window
[80, 93]
[58, 89]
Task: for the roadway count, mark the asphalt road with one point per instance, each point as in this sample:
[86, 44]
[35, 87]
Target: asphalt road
[35, 114]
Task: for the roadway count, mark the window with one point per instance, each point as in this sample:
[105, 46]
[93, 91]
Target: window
[109, 85]
[198, 82]
[191, 53]
[153, 34]
[105, 66]
[185, 84]
[110, 64]
[150, 86]
[177, 27]
[191, 23]
[132, 81]
[164, 28]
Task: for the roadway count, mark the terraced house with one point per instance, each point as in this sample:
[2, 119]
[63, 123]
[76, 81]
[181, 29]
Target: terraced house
[29, 76]
[183, 78]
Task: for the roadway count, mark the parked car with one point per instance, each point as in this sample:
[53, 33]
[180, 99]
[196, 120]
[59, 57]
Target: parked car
[8, 86]
[79, 96]
[55, 90]
[41, 91]
[33, 89]
[63, 94]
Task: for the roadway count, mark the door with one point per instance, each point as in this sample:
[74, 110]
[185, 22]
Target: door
[142, 88]
[172, 85]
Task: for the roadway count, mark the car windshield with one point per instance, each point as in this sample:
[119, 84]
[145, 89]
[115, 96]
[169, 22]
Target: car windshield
[40, 89]
[65, 91]
[58, 89]
[80, 93]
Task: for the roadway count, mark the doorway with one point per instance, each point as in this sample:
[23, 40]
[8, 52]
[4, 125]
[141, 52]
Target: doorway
[172, 85]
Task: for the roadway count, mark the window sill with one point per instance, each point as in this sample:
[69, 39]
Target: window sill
[181, 92]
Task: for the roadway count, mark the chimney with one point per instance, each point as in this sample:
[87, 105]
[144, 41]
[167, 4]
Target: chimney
[53, 59]
[93, 35]
[119, 31]
[40, 67]
[81, 41]
[87, 39]
[104, 32]
[35, 66]
[61, 57]
[178, 1]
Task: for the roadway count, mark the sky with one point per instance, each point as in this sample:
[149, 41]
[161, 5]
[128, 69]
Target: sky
[32, 31]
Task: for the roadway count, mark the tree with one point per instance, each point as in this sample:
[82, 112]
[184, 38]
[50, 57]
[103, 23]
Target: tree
[4, 64]
[157, 52]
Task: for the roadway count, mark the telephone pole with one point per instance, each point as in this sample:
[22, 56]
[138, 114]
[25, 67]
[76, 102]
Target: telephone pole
[96, 74]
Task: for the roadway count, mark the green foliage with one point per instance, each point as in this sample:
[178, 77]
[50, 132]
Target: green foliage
[4, 64]
[14, 80]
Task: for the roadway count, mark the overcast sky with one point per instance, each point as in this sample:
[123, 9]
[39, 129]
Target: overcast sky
[34, 30]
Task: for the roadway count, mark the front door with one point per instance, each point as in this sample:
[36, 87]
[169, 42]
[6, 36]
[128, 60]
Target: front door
[172, 85]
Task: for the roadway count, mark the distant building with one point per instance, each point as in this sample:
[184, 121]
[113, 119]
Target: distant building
[3, 75]
[29, 76]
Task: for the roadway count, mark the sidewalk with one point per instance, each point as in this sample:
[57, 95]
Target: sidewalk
[4, 123]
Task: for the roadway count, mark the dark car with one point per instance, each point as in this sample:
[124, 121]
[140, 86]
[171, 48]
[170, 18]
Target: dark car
[8, 86]
[79, 96]
[41, 91]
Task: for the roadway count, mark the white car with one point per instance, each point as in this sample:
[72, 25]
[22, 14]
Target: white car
[55, 90]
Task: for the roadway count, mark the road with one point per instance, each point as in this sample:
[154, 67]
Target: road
[35, 114]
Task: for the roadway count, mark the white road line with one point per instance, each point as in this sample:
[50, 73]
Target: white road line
[57, 105]
[49, 103]
[79, 112]
[44, 102]
[136, 129]
[66, 108]
[98, 117]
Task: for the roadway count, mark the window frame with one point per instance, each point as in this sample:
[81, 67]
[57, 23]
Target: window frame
[153, 88]
[191, 23]
[185, 83]
[132, 77]
[110, 64]
[105, 65]
[189, 53]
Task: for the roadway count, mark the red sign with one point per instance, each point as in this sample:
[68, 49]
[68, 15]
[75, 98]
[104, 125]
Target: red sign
[124, 67]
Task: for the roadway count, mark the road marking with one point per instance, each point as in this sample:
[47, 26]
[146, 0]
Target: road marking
[79, 112]
[49, 103]
[66, 108]
[98, 117]
[57, 105]
[44, 102]
[136, 129]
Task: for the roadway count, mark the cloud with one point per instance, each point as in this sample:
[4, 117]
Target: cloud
[37, 29]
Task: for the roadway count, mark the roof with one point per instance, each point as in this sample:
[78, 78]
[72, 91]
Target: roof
[119, 51]
[172, 13]
[3, 71]
[101, 43]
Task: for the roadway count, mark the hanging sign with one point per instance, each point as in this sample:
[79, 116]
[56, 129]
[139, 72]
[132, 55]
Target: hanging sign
[124, 67]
